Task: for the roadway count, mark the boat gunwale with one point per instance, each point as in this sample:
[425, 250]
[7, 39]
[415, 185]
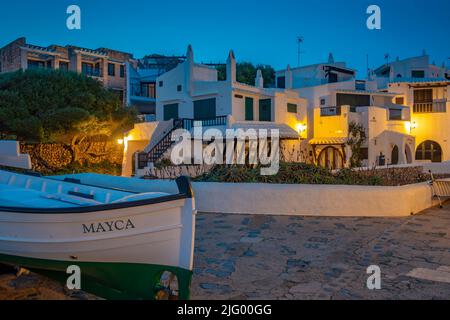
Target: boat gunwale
[183, 183]
[96, 208]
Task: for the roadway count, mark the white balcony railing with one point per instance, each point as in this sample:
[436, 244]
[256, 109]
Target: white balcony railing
[430, 107]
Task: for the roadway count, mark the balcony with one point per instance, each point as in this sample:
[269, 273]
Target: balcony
[143, 90]
[330, 111]
[437, 106]
[93, 73]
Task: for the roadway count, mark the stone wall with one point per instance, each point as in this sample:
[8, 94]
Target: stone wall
[10, 56]
[48, 158]
[173, 172]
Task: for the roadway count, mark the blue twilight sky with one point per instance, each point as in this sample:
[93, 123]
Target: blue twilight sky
[260, 31]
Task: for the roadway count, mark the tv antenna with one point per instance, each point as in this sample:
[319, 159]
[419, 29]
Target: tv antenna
[300, 41]
[386, 57]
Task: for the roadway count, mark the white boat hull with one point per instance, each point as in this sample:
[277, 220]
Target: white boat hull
[160, 233]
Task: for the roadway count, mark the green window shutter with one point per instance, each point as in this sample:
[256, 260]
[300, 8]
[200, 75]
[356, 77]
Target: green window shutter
[292, 108]
[170, 111]
[205, 109]
[418, 74]
[248, 109]
[265, 110]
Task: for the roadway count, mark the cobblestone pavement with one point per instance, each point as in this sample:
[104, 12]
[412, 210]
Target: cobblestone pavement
[286, 257]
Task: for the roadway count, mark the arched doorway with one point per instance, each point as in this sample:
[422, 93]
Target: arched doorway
[394, 155]
[429, 150]
[330, 158]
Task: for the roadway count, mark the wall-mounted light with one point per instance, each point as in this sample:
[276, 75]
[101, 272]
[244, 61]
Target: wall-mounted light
[301, 128]
[409, 126]
[120, 141]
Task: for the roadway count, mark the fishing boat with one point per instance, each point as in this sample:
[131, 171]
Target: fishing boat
[128, 242]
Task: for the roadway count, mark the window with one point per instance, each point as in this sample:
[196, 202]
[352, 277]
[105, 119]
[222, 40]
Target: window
[90, 69]
[281, 82]
[35, 64]
[332, 77]
[205, 109]
[322, 102]
[179, 87]
[360, 85]
[400, 100]
[330, 111]
[292, 108]
[122, 71]
[418, 74]
[238, 96]
[423, 96]
[395, 114]
[248, 109]
[423, 102]
[64, 66]
[111, 69]
[144, 89]
[161, 83]
[331, 158]
[429, 150]
[151, 90]
[265, 110]
[353, 100]
[170, 111]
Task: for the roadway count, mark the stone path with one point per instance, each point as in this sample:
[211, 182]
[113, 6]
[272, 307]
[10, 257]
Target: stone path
[281, 257]
[285, 257]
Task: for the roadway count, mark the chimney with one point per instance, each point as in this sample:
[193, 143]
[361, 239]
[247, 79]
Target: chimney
[190, 54]
[189, 69]
[288, 77]
[259, 80]
[330, 58]
[231, 67]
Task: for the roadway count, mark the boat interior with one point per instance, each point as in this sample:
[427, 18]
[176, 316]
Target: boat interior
[25, 190]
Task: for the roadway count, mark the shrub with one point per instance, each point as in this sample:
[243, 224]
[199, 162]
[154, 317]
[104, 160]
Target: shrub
[300, 173]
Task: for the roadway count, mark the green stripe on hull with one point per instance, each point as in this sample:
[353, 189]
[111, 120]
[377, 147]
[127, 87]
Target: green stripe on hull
[109, 280]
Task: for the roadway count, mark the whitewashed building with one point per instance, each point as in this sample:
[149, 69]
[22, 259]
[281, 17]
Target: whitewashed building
[192, 92]
[335, 100]
[423, 87]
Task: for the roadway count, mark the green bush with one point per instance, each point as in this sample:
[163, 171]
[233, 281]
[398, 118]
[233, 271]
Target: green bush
[300, 173]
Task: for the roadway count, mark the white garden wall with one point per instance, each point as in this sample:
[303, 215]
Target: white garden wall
[312, 200]
[287, 199]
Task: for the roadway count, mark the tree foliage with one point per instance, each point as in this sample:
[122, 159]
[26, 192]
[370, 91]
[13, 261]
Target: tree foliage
[246, 73]
[49, 106]
[356, 138]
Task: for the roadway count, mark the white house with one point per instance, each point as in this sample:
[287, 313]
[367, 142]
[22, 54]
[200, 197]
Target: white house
[335, 100]
[424, 88]
[192, 92]
[411, 68]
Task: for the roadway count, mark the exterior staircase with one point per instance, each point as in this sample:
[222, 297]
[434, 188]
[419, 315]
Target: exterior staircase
[146, 160]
